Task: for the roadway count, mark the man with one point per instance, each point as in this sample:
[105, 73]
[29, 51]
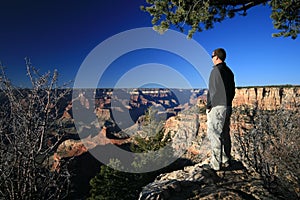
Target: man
[221, 91]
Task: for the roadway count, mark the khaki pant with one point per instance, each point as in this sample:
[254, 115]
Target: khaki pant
[218, 132]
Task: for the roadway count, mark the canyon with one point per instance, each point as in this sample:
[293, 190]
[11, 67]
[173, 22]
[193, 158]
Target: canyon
[191, 111]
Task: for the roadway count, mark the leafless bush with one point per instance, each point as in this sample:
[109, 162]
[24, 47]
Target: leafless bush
[26, 118]
[271, 147]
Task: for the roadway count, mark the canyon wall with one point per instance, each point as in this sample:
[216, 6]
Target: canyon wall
[268, 98]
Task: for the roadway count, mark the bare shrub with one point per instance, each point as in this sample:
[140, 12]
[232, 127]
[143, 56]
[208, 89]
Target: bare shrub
[271, 147]
[27, 123]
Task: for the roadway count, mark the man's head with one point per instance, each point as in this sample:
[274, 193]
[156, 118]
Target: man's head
[218, 56]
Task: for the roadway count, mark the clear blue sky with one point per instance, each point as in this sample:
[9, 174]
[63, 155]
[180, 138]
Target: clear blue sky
[59, 34]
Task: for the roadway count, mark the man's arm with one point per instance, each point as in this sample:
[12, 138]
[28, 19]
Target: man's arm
[211, 89]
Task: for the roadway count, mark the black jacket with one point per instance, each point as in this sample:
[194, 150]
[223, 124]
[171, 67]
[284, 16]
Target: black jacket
[221, 89]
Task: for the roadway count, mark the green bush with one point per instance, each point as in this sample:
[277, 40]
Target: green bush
[114, 184]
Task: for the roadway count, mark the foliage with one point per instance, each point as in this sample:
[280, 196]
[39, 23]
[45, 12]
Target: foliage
[114, 184]
[199, 15]
[27, 115]
[286, 17]
[152, 137]
[272, 148]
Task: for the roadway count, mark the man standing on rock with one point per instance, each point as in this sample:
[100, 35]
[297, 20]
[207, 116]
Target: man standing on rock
[221, 91]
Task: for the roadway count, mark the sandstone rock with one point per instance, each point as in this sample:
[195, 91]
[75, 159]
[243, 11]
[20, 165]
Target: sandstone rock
[71, 148]
[183, 129]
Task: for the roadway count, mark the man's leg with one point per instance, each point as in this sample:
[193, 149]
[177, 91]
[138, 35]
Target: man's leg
[215, 123]
[226, 134]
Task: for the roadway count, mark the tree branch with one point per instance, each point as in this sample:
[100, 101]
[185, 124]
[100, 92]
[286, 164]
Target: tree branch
[248, 5]
[237, 2]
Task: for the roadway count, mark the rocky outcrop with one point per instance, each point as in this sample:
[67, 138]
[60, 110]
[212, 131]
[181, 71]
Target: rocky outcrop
[183, 130]
[199, 182]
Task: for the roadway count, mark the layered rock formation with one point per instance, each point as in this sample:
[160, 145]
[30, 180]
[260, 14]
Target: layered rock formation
[268, 98]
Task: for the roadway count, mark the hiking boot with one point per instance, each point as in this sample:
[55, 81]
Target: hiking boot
[226, 165]
[206, 166]
[209, 166]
